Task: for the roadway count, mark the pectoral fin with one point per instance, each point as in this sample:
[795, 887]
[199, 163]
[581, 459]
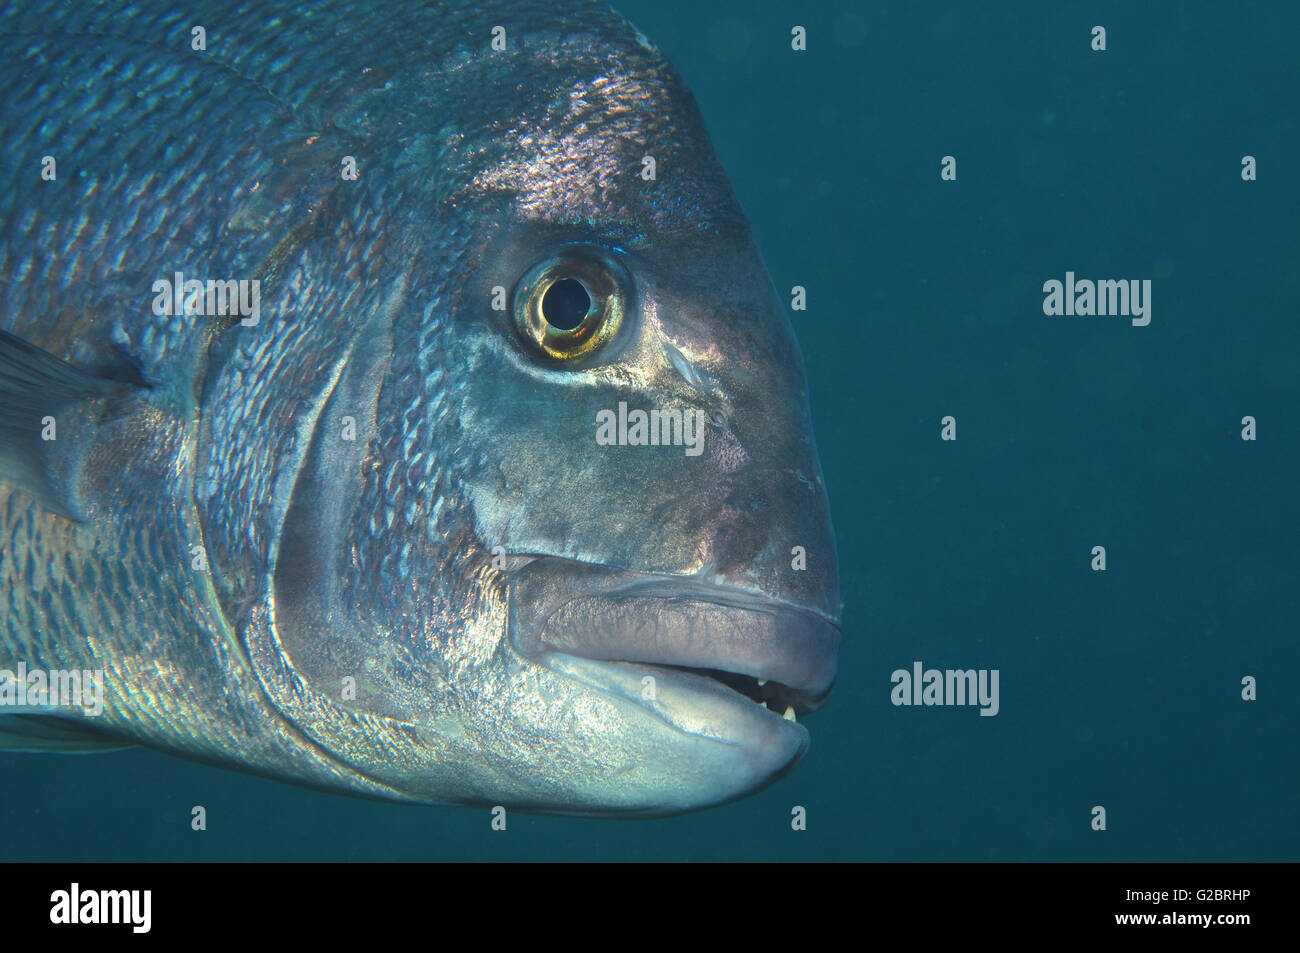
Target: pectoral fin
[49, 410]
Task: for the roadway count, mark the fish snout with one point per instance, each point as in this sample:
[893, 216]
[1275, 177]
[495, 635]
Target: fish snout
[773, 537]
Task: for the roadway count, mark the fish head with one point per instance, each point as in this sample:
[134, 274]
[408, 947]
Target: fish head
[577, 557]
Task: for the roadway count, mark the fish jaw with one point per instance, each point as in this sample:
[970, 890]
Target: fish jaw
[712, 745]
[724, 672]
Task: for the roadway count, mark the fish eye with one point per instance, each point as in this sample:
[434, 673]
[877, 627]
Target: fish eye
[572, 304]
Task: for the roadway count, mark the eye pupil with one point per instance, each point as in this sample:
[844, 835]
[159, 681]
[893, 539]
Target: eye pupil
[565, 304]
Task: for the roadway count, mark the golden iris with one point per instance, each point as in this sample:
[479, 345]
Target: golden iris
[573, 304]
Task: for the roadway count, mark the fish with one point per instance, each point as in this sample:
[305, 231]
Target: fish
[394, 401]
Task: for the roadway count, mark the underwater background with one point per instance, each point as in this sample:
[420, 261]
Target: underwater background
[1121, 688]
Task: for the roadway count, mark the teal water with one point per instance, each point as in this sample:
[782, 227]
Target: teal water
[1119, 688]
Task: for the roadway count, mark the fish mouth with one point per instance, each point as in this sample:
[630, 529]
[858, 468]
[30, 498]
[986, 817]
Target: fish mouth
[773, 654]
[717, 664]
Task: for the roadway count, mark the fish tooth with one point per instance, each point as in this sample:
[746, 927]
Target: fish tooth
[762, 682]
[789, 713]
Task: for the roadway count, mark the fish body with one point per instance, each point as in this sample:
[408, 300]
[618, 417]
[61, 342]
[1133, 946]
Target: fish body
[425, 423]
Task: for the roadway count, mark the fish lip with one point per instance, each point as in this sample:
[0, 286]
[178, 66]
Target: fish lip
[698, 627]
[733, 637]
[677, 586]
[670, 584]
[688, 704]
